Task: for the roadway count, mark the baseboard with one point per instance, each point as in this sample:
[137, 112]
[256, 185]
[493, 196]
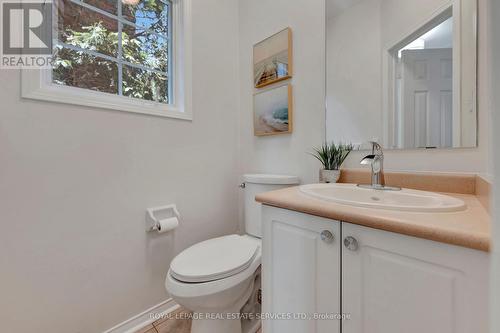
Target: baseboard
[143, 319]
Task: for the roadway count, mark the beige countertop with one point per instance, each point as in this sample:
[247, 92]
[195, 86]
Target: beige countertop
[469, 228]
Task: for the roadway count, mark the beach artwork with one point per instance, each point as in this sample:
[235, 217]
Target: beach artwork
[273, 111]
[272, 59]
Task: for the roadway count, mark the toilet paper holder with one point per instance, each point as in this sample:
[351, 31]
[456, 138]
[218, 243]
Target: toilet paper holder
[155, 214]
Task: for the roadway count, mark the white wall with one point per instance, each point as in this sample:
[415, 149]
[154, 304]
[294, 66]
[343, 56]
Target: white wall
[477, 160]
[495, 271]
[404, 17]
[284, 153]
[75, 183]
[354, 72]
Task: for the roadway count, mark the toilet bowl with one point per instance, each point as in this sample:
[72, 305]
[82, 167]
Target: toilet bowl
[217, 301]
[216, 278]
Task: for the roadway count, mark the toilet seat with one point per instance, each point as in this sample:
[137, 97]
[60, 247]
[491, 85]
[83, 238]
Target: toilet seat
[214, 259]
[186, 290]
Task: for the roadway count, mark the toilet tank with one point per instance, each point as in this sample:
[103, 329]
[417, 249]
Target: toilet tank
[259, 183]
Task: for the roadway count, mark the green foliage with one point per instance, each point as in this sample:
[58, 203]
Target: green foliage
[78, 69]
[331, 155]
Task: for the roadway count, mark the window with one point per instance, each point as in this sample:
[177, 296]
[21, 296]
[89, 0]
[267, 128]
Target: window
[130, 55]
[117, 47]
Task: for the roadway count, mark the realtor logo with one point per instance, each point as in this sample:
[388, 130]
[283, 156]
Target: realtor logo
[26, 30]
[27, 27]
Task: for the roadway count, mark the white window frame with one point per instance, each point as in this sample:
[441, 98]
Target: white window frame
[37, 83]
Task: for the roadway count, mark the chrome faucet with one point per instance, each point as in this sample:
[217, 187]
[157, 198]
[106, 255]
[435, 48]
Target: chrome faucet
[376, 161]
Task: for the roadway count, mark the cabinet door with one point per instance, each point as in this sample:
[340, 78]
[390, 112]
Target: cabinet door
[394, 283]
[301, 273]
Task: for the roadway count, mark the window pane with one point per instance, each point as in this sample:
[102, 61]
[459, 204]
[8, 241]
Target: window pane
[77, 69]
[145, 48]
[87, 29]
[106, 5]
[146, 44]
[142, 84]
[149, 14]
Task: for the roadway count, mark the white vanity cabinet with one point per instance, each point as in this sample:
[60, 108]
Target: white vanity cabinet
[389, 282]
[301, 275]
[393, 283]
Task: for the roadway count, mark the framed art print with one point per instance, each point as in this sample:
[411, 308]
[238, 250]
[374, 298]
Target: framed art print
[272, 59]
[273, 110]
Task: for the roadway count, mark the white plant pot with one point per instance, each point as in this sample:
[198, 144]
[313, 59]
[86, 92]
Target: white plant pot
[329, 176]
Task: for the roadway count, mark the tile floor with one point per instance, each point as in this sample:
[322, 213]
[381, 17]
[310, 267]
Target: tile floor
[171, 324]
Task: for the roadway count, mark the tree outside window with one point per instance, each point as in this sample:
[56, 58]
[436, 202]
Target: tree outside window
[119, 47]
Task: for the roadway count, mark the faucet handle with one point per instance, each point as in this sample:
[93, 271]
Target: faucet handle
[367, 160]
[375, 161]
[376, 147]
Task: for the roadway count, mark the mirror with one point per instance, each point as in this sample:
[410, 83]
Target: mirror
[401, 73]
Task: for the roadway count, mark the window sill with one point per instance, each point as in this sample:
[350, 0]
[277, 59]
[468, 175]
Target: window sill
[83, 97]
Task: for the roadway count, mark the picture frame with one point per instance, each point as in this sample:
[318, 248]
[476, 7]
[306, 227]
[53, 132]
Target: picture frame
[273, 111]
[273, 59]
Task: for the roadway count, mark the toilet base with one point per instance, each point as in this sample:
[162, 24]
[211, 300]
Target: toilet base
[227, 321]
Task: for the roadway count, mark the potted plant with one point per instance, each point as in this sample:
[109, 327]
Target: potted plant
[331, 156]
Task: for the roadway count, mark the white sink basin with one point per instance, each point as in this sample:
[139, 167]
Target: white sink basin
[404, 200]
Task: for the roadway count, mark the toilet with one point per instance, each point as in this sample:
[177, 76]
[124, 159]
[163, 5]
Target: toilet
[220, 277]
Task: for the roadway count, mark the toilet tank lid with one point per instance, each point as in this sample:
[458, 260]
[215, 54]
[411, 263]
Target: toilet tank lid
[271, 179]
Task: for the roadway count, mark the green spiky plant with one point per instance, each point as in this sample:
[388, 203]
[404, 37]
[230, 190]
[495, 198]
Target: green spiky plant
[332, 155]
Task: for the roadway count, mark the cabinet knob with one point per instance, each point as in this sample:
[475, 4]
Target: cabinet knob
[351, 243]
[327, 236]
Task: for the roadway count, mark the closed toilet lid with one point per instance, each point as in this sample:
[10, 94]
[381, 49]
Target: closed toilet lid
[214, 259]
